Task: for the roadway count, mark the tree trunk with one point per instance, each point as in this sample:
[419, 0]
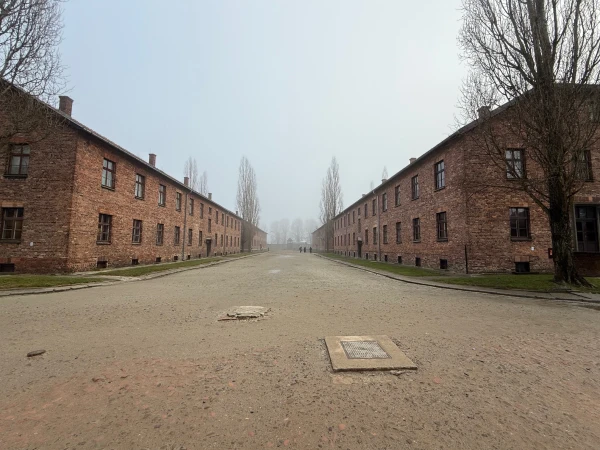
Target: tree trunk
[562, 235]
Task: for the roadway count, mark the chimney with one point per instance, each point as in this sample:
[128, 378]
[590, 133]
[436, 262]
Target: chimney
[152, 159]
[65, 104]
[483, 112]
[383, 180]
[412, 160]
[210, 195]
[236, 213]
[186, 181]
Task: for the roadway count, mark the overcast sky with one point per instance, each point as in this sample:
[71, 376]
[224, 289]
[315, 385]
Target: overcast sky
[287, 83]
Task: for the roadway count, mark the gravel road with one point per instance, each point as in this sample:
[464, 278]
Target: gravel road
[147, 365]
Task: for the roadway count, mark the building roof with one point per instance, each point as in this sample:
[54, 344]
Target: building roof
[454, 136]
[81, 127]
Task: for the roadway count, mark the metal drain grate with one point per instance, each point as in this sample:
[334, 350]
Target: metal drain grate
[364, 350]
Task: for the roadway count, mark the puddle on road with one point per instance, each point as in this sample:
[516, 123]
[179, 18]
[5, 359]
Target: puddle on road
[274, 271]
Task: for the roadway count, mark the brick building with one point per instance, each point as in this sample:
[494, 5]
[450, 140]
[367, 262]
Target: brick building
[74, 200]
[429, 215]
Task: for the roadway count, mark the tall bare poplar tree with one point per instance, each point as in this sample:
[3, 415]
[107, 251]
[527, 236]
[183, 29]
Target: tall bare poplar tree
[203, 183]
[190, 170]
[542, 59]
[247, 200]
[332, 201]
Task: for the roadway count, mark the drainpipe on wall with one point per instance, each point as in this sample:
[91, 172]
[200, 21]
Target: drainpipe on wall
[378, 227]
[184, 231]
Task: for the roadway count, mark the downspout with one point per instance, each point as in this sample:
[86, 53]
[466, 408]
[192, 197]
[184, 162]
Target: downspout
[184, 231]
[378, 227]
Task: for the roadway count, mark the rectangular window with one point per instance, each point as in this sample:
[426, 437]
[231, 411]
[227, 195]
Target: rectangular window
[366, 210]
[109, 170]
[515, 167]
[416, 230]
[519, 224]
[200, 238]
[191, 206]
[442, 226]
[104, 227]
[140, 185]
[12, 223]
[202, 210]
[136, 233]
[216, 216]
[178, 201]
[160, 233]
[359, 223]
[414, 185]
[398, 232]
[359, 212]
[374, 207]
[440, 175]
[385, 236]
[586, 228]
[190, 236]
[221, 240]
[397, 195]
[209, 225]
[209, 211]
[354, 238]
[384, 201]
[354, 216]
[367, 236]
[583, 166]
[162, 195]
[374, 235]
[18, 163]
[177, 237]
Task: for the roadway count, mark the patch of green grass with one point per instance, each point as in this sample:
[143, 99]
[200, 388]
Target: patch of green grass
[398, 269]
[542, 283]
[145, 270]
[38, 281]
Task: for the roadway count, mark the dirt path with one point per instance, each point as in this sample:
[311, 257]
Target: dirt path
[147, 365]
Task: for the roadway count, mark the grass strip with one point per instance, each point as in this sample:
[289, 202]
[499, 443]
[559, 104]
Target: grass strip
[534, 282]
[145, 270]
[40, 281]
[398, 269]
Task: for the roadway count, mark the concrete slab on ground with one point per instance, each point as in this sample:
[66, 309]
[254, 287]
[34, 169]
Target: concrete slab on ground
[376, 352]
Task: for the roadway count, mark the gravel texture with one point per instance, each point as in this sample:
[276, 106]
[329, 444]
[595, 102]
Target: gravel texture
[147, 365]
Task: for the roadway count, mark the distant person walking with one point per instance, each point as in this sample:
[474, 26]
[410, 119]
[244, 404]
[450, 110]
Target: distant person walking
[304, 249]
[310, 250]
[300, 249]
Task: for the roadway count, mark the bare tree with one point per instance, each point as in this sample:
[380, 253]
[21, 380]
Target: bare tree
[30, 67]
[30, 33]
[540, 59]
[247, 200]
[310, 225]
[275, 233]
[284, 226]
[203, 183]
[190, 170]
[298, 229]
[331, 198]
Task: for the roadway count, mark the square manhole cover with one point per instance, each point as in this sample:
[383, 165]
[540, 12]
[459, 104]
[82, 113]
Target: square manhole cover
[372, 352]
[364, 350]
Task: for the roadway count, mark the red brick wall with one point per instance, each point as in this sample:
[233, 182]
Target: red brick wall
[91, 199]
[449, 199]
[476, 199]
[45, 196]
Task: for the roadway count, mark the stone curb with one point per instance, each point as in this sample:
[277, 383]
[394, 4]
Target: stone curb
[507, 293]
[75, 287]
